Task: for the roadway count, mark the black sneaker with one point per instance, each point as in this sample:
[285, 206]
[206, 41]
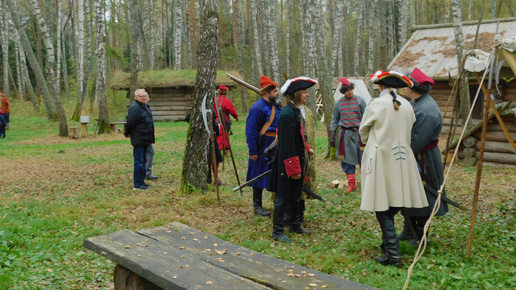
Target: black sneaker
[141, 187]
[148, 185]
[152, 177]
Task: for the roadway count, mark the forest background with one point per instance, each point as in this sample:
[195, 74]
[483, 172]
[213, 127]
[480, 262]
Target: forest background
[66, 50]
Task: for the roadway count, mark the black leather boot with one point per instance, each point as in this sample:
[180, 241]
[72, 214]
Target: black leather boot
[392, 254]
[257, 202]
[296, 212]
[277, 220]
[406, 234]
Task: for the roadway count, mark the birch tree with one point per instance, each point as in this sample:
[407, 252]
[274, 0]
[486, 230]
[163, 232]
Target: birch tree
[358, 41]
[257, 56]
[53, 86]
[311, 17]
[463, 91]
[101, 90]
[177, 34]
[403, 22]
[338, 30]
[492, 9]
[80, 60]
[42, 83]
[134, 39]
[195, 171]
[5, 46]
[273, 40]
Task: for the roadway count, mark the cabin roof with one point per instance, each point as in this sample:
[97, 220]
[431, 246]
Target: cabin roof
[432, 48]
[168, 78]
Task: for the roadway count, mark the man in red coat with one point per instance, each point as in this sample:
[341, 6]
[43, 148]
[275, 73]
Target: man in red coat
[5, 108]
[222, 105]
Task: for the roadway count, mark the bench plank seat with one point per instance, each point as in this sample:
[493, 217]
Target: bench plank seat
[165, 266]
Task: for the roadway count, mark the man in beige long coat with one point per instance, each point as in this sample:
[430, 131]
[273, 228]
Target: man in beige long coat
[390, 178]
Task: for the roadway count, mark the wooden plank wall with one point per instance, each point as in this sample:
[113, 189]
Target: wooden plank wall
[171, 103]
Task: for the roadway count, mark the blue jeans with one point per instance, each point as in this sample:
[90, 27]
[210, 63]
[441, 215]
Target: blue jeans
[139, 154]
[348, 168]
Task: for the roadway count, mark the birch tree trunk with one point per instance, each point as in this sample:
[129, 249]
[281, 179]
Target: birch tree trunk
[358, 40]
[194, 173]
[311, 20]
[178, 32]
[273, 44]
[100, 90]
[193, 29]
[52, 85]
[337, 38]
[24, 74]
[492, 9]
[288, 39]
[134, 38]
[42, 83]
[88, 28]
[80, 60]
[403, 22]
[383, 27]
[19, 79]
[58, 46]
[465, 102]
[5, 46]
[371, 36]
[257, 56]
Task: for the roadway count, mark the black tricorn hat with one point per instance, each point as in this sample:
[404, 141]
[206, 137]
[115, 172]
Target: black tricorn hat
[391, 79]
[296, 84]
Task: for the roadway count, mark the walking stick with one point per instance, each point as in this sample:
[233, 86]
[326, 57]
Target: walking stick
[229, 144]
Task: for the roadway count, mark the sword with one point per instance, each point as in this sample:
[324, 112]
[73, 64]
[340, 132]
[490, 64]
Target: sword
[444, 198]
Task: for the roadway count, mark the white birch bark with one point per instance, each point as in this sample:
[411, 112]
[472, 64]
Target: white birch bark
[470, 8]
[51, 75]
[80, 59]
[257, 59]
[337, 38]
[358, 41]
[58, 47]
[265, 18]
[403, 22]
[371, 36]
[288, 39]
[178, 32]
[5, 47]
[100, 91]
[457, 28]
[309, 42]
[19, 81]
[273, 41]
[492, 9]
[134, 47]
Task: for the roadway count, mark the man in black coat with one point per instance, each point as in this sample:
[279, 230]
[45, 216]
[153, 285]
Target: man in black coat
[139, 127]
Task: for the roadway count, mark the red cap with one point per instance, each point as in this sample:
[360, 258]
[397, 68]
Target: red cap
[344, 81]
[266, 81]
[2, 93]
[223, 88]
[421, 78]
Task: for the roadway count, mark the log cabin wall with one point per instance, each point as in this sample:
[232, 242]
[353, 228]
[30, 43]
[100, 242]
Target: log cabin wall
[170, 103]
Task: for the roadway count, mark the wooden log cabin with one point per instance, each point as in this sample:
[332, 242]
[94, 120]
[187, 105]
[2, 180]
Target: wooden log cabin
[170, 92]
[432, 48]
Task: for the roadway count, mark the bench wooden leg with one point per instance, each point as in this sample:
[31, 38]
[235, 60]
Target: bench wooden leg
[126, 279]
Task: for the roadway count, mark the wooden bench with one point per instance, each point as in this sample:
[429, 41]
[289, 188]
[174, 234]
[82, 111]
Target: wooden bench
[114, 126]
[181, 257]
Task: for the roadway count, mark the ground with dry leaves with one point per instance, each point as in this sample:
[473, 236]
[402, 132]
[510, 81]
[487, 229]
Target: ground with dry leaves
[55, 192]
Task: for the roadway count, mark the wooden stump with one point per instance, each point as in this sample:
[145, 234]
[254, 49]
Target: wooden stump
[74, 132]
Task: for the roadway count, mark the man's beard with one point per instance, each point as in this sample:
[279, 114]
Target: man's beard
[272, 99]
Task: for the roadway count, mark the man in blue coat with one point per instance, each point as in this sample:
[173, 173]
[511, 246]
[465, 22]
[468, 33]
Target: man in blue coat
[139, 127]
[260, 130]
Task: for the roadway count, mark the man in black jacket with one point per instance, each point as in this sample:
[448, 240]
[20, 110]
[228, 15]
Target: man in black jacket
[140, 128]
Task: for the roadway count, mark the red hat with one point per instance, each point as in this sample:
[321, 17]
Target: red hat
[421, 77]
[344, 81]
[223, 88]
[266, 81]
[2, 93]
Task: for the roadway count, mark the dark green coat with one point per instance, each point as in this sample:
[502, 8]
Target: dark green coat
[290, 144]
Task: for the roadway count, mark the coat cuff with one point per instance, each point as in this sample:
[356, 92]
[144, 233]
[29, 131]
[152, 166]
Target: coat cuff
[292, 166]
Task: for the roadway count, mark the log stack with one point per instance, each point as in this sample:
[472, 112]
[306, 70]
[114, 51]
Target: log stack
[498, 152]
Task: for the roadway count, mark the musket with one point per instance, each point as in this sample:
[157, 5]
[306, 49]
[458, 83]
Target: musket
[243, 83]
[305, 189]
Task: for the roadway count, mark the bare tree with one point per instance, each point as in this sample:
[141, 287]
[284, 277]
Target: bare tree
[463, 91]
[5, 46]
[403, 22]
[194, 174]
[492, 9]
[336, 61]
[177, 34]
[310, 19]
[101, 90]
[358, 46]
[42, 83]
[53, 86]
[134, 39]
[80, 60]
[257, 56]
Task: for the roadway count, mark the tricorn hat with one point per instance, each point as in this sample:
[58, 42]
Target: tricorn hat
[296, 84]
[391, 79]
[422, 82]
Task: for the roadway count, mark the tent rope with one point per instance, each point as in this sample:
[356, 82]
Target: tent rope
[422, 244]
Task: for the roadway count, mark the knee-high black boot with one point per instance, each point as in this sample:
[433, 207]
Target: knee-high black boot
[392, 254]
[296, 212]
[280, 207]
[257, 202]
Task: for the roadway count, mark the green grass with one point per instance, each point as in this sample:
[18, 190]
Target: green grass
[55, 192]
